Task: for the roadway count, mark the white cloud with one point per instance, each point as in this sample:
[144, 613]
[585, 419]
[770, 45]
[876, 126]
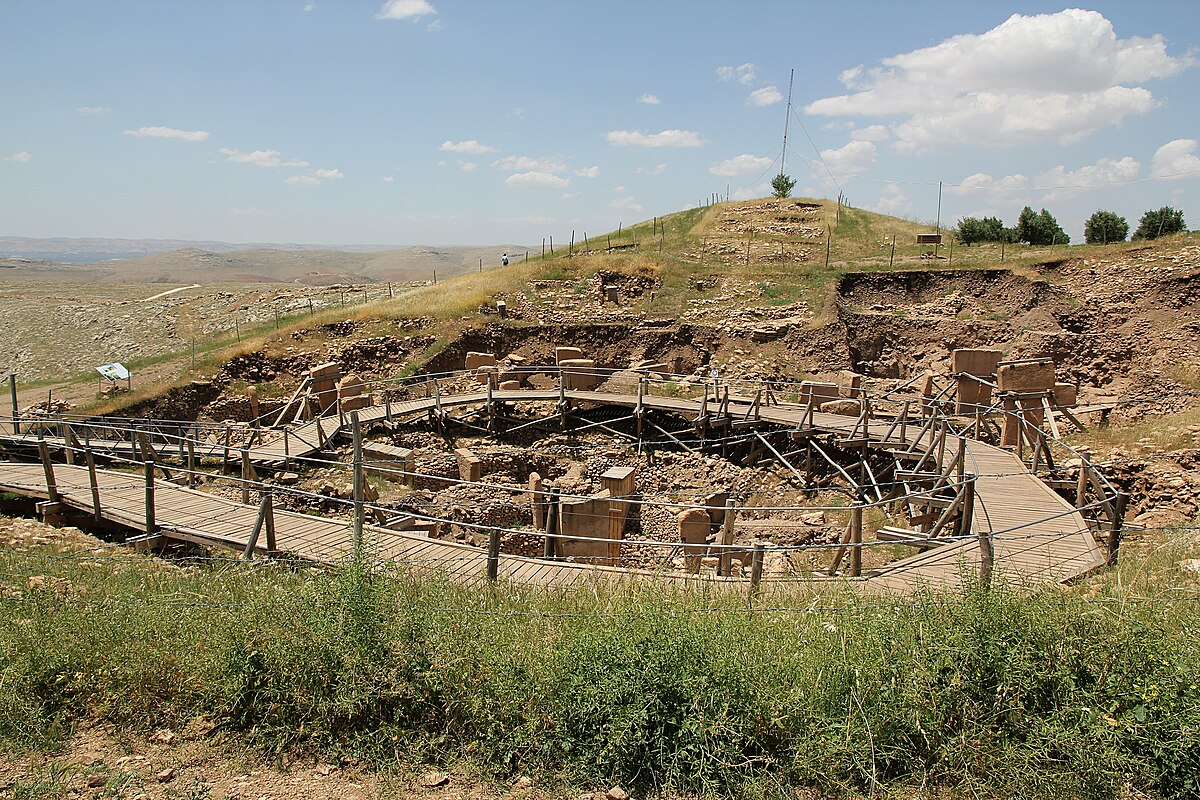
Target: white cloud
[405, 9]
[435, 26]
[467, 166]
[766, 96]
[871, 133]
[649, 99]
[854, 157]
[982, 182]
[442, 163]
[329, 174]
[655, 170]
[1105, 171]
[626, 203]
[892, 200]
[536, 180]
[744, 164]
[259, 158]
[309, 6]
[469, 146]
[619, 190]
[588, 172]
[517, 113]
[528, 164]
[161, 132]
[388, 179]
[671, 138]
[1051, 76]
[1175, 159]
[21, 157]
[745, 74]
[302, 180]
[93, 111]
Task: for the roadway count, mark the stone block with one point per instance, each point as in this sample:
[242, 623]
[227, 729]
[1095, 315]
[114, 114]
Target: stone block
[470, 468]
[850, 384]
[537, 501]
[356, 403]
[581, 374]
[509, 385]
[846, 408]
[715, 503]
[1066, 395]
[610, 294]
[350, 386]
[978, 361]
[587, 518]
[566, 353]
[502, 308]
[695, 525]
[329, 369]
[817, 393]
[476, 360]
[1026, 376]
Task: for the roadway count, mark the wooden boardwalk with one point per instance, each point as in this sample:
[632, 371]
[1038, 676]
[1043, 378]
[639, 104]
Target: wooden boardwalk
[1037, 536]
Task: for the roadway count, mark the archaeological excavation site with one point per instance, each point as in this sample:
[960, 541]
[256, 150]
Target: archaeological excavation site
[705, 401]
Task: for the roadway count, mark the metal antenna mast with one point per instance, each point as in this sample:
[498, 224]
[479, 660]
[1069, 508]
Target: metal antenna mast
[786, 120]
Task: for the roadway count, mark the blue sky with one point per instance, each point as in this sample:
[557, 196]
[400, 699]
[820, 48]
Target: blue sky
[453, 122]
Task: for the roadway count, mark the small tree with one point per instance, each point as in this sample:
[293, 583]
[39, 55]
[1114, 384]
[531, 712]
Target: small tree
[1162, 222]
[972, 230]
[1103, 227]
[1040, 228]
[782, 186]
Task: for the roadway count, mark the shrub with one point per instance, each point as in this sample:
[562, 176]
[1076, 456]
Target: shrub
[1040, 228]
[972, 230]
[782, 186]
[1159, 222]
[1103, 227]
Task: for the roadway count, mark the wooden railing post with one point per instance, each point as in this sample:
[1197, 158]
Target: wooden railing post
[148, 467]
[191, 456]
[48, 468]
[246, 471]
[90, 458]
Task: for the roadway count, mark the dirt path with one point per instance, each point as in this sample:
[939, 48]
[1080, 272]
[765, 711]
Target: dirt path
[169, 292]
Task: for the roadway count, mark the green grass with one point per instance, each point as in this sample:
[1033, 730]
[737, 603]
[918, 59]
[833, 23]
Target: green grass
[981, 693]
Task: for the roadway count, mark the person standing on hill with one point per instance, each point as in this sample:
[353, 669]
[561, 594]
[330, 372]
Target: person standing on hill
[504, 259]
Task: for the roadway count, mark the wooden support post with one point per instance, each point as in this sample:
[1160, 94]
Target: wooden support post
[639, 413]
[358, 486]
[1081, 485]
[724, 565]
[246, 470]
[90, 458]
[287, 450]
[493, 555]
[148, 467]
[856, 522]
[48, 468]
[1118, 524]
[69, 443]
[550, 543]
[264, 509]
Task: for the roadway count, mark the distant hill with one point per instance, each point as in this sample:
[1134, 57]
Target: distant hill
[216, 262]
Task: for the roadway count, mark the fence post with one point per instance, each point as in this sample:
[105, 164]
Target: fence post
[724, 564]
[756, 567]
[16, 411]
[246, 476]
[1118, 523]
[493, 555]
[856, 520]
[356, 431]
[148, 467]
